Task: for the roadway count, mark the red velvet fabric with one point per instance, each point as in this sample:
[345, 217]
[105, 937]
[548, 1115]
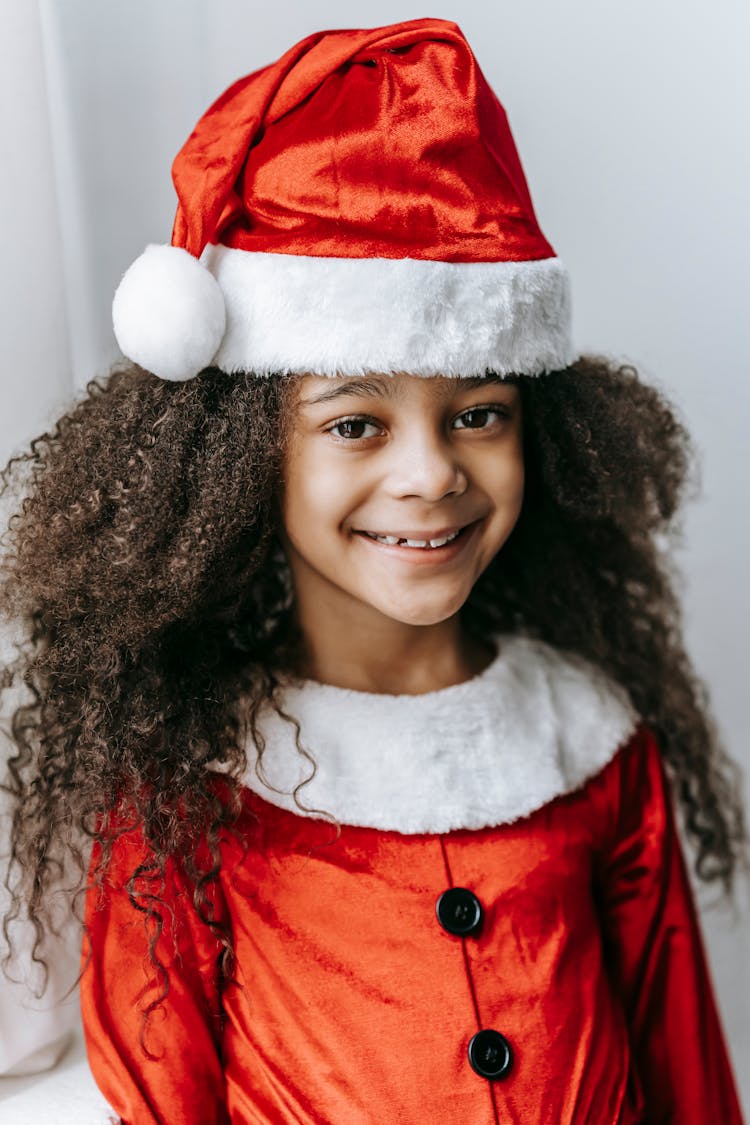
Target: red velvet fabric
[386, 142]
[352, 1006]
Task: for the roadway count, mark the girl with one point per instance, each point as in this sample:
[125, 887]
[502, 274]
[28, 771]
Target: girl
[353, 647]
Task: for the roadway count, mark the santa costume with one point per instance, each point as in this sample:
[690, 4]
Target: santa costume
[503, 929]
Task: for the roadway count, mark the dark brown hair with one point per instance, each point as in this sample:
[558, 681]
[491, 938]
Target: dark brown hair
[144, 569]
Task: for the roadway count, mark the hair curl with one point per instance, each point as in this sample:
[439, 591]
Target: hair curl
[144, 565]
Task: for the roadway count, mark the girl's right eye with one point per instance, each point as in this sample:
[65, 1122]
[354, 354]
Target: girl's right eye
[352, 429]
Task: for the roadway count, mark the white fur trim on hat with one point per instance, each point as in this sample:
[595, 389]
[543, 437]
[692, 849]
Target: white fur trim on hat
[352, 316]
[535, 724]
[168, 313]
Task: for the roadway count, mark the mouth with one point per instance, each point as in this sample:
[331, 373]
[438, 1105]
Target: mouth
[419, 541]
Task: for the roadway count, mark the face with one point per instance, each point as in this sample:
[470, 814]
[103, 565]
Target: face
[398, 492]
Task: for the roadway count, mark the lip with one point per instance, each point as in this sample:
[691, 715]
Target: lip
[424, 556]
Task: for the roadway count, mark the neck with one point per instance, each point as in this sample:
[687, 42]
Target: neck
[390, 657]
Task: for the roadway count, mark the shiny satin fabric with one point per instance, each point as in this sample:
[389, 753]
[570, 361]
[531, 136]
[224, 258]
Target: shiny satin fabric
[386, 142]
[352, 1005]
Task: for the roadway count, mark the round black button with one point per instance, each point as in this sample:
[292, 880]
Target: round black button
[490, 1054]
[459, 911]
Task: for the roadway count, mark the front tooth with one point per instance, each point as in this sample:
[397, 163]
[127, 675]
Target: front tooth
[391, 540]
[415, 542]
[442, 542]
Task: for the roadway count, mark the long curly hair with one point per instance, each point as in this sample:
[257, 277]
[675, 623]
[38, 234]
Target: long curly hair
[143, 568]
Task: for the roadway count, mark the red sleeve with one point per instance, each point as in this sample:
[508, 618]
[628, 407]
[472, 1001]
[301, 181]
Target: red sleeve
[655, 950]
[185, 1082]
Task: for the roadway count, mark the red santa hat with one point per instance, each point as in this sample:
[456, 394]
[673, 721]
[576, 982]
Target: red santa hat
[358, 206]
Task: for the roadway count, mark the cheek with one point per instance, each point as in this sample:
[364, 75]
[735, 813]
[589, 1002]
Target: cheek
[314, 497]
[300, 498]
[505, 483]
[520, 482]
[516, 489]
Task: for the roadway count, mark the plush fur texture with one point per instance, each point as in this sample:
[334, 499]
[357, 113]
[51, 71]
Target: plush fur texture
[168, 313]
[535, 724]
[352, 316]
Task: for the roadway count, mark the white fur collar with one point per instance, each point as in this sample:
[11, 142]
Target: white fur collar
[535, 724]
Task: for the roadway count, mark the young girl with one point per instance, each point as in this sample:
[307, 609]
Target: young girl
[353, 646]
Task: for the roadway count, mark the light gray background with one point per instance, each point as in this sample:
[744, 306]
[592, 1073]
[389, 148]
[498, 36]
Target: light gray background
[632, 126]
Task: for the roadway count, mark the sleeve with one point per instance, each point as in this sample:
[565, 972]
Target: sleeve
[180, 1077]
[655, 952]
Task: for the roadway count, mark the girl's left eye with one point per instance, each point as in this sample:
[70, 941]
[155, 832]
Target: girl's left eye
[352, 429]
[479, 417]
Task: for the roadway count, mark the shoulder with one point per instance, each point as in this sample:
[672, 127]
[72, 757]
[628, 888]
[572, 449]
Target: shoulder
[634, 787]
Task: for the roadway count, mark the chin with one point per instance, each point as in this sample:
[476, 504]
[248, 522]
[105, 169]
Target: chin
[423, 615]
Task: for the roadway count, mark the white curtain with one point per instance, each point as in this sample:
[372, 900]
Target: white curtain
[36, 376]
[631, 121]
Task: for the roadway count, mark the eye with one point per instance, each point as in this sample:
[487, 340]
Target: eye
[480, 417]
[353, 429]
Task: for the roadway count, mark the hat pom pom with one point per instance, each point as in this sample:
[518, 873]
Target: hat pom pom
[169, 314]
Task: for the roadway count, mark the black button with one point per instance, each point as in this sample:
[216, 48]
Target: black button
[490, 1054]
[459, 911]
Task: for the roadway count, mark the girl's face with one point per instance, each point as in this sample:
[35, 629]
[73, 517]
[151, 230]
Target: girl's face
[375, 462]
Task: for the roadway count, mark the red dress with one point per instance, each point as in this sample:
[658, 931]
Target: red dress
[355, 1002]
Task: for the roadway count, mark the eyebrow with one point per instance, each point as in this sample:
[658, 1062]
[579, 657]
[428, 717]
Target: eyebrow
[367, 387]
[373, 388]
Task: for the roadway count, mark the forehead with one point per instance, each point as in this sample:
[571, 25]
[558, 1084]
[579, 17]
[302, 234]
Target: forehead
[313, 389]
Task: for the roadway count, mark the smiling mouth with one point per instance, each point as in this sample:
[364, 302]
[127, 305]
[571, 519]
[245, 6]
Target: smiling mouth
[417, 544]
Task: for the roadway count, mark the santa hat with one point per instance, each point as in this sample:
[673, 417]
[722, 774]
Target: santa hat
[358, 206]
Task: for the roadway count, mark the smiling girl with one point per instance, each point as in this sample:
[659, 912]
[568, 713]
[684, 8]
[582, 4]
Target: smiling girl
[392, 512]
[353, 649]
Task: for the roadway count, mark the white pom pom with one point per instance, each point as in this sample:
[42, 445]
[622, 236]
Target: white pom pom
[169, 314]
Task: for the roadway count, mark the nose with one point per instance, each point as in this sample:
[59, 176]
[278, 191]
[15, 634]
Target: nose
[426, 466]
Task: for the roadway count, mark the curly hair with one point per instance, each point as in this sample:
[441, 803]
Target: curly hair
[144, 566]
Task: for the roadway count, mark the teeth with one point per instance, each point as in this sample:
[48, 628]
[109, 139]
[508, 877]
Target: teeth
[392, 540]
[442, 542]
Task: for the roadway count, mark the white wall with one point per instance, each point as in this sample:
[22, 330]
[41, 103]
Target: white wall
[35, 372]
[629, 120]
